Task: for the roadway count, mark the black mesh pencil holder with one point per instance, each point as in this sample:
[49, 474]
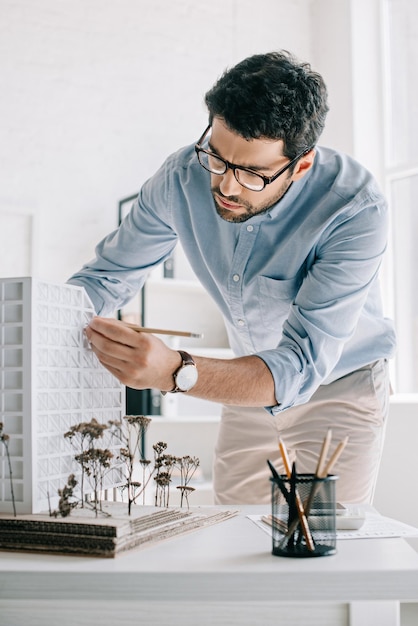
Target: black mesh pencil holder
[303, 515]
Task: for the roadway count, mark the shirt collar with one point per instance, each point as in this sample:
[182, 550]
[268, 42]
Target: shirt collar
[285, 203]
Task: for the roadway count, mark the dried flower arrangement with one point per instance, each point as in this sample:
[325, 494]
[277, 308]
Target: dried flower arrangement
[95, 462]
[116, 532]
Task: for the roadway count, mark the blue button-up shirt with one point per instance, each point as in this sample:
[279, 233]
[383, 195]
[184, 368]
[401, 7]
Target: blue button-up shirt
[297, 286]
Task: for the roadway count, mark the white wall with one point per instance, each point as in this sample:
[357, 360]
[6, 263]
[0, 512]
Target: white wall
[396, 492]
[346, 50]
[95, 94]
[331, 31]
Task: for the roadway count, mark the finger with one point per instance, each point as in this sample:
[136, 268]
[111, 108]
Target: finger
[124, 371]
[100, 329]
[112, 358]
[112, 329]
[104, 347]
[108, 351]
[119, 373]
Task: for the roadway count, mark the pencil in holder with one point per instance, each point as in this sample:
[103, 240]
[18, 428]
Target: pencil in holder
[303, 515]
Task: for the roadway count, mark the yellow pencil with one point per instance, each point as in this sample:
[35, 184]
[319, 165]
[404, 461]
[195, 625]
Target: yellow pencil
[299, 505]
[162, 331]
[324, 451]
[334, 458]
[324, 473]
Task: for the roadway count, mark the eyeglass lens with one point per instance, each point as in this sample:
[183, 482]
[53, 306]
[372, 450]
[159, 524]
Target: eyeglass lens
[217, 166]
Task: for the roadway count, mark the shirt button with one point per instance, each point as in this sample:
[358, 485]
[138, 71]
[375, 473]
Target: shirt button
[250, 228]
[235, 278]
[241, 323]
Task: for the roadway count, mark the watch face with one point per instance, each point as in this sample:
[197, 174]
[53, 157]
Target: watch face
[186, 377]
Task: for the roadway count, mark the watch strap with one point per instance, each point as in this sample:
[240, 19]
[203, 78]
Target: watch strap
[186, 357]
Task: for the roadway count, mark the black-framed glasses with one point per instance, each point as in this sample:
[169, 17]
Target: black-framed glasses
[248, 178]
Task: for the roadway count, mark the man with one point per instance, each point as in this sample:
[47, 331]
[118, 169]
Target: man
[287, 237]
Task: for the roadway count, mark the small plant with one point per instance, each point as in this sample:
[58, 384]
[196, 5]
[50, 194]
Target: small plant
[145, 463]
[187, 465]
[164, 465]
[83, 437]
[5, 441]
[130, 433]
[65, 505]
[94, 463]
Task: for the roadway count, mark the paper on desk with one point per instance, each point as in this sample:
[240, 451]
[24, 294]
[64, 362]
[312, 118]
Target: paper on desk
[375, 526]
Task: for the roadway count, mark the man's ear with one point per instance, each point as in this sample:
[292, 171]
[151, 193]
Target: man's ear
[304, 164]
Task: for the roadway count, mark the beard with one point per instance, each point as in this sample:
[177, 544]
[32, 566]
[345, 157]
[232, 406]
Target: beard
[247, 209]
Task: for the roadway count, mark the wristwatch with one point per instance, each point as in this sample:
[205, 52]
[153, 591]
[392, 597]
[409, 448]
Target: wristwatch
[186, 376]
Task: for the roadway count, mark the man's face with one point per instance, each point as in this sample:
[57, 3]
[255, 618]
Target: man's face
[235, 203]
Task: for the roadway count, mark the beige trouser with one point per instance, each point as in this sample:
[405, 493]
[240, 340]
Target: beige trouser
[355, 405]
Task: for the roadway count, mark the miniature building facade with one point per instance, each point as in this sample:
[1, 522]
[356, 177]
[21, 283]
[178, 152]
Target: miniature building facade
[50, 381]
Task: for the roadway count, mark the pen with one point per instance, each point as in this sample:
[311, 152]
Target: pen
[278, 480]
[293, 508]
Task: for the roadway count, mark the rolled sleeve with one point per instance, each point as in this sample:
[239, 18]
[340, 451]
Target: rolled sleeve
[126, 256]
[324, 316]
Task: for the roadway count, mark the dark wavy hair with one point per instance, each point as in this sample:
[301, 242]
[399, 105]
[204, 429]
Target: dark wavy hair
[273, 96]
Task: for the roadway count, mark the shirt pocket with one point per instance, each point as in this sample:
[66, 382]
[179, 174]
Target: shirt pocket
[275, 298]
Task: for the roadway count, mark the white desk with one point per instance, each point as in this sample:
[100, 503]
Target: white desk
[224, 574]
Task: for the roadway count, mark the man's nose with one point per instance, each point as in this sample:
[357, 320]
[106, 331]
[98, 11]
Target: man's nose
[229, 186]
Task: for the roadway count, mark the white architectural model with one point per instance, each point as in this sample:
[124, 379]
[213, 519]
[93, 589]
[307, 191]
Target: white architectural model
[50, 381]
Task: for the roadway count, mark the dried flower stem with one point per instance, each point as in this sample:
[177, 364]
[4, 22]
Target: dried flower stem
[5, 441]
[188, 466]
[130, 433]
